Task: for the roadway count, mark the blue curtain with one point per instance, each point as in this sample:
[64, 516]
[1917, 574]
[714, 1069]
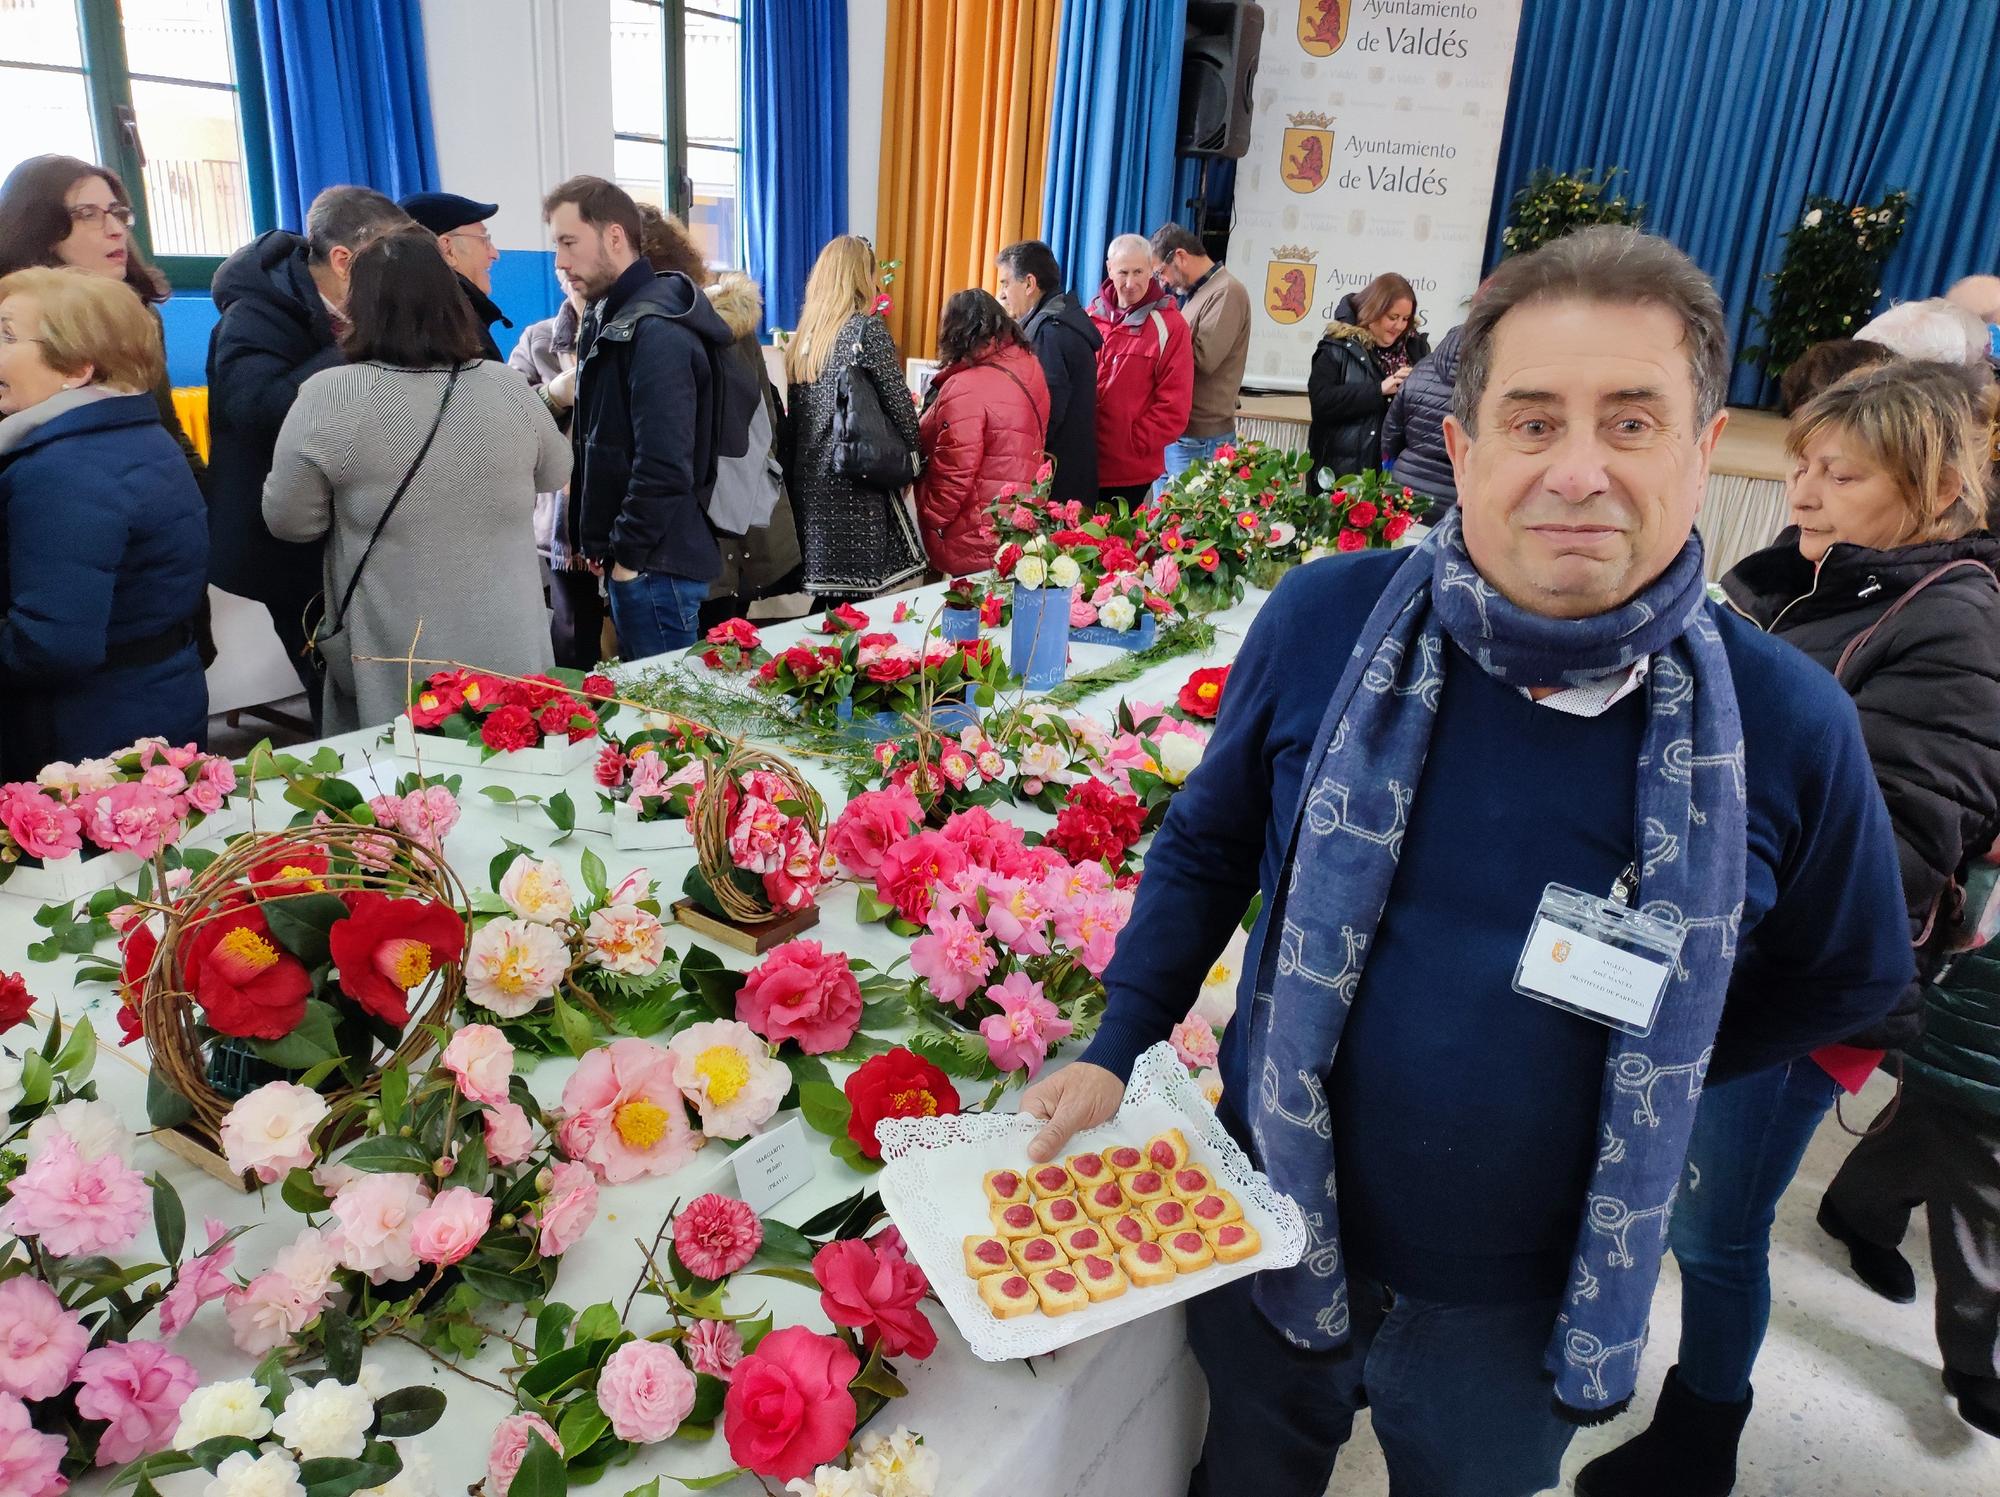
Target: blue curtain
[349, 98]
[1725, 114]
[1111, 130]
[794, 133]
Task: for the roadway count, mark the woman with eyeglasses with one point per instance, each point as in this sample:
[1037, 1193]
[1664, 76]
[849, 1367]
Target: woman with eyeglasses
[58, 210]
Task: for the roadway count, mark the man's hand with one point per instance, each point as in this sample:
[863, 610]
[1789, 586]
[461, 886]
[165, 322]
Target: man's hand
[621, 573]
[1078, 1096]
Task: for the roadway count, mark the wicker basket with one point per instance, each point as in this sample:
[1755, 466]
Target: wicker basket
[708, 821]
[212, 1072]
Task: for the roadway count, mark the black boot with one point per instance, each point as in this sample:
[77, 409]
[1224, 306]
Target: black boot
[1882, 1269]
[1978, 1400]
[1689, 1450]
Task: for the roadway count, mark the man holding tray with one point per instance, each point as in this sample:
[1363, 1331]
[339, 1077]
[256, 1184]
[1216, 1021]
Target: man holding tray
[1545, 841]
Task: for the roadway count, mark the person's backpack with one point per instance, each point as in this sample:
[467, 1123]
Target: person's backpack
[748, 484]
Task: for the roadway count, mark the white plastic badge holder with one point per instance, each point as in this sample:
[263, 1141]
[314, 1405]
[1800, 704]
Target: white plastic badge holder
[1599, 958]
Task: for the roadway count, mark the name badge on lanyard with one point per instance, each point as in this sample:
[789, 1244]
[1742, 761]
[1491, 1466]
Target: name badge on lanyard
[1600, 958]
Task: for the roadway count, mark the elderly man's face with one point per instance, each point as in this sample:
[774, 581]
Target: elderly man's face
[1131, 273]
[1588, 469]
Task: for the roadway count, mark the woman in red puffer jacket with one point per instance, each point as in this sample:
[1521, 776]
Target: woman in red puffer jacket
[983, 429]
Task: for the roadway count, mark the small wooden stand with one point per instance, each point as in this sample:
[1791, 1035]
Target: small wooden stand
[754, 939]
[185, 1144]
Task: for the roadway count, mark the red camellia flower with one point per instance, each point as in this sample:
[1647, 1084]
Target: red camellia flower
[568, 716]
[508, 728]
[1351, 540]
[534, 692]
[1243, 472]
[1115, 556]
[788, 1409]
[876, 1293]
[16, 1000]
[296, 870]
[436, 700]
[739, 632]
[1225, 453]
[1208, 561]
[610, 770]
[599, 686]
[846, 619]
[246, 983]
[899, 1084]
[912, 871]
[1171, 538]
[1004, 563]
[135, 961]
[1362, 515]
[385, 947]
[1097, 824]
[888, 671]
[805, 664]
[483, 693]
[989, 611]
[1396, 528]
[1201, 696]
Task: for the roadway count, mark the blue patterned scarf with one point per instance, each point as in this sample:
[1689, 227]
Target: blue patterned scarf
[1367, 765]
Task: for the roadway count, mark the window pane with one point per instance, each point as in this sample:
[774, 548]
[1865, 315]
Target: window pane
[47, 113]
[638, 92]
[39, 31]
[640, 166]
[714, 7]
[712, 75]
[178, 39]
[712, 217]
[197, 192]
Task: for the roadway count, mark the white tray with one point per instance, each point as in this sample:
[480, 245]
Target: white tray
[556, 756]
[75, 876]
[630, 834]
[931, 1185]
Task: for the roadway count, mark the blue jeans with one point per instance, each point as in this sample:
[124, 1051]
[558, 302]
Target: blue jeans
[1188, 451]
[656, 612]
[1459, 1397]
[1749, 1137]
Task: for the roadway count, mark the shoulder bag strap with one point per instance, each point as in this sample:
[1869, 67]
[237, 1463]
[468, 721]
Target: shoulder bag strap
[402, 488]
[1854, 644]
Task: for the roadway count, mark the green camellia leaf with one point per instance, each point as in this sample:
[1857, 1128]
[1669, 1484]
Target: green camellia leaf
[310, 1044]
[598, 1323]
[169, 1218]
[825, 1108]
[300, 924]
[389, 1155]
[580, 1426]
[593, 874]
[410, 1411]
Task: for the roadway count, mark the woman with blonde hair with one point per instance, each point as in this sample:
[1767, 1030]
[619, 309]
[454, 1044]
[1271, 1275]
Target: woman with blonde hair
[1887, 578]
[858, 540]
[103, 532]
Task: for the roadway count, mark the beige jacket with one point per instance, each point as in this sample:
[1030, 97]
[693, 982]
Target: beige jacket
[1219, 315]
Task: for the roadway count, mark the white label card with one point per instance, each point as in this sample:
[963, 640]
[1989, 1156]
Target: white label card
[1593, 977]
[772, 1165]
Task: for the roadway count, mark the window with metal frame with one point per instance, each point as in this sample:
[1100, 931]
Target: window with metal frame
[676, 82]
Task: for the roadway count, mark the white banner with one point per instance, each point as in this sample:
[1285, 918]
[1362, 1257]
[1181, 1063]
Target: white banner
[1373, 148]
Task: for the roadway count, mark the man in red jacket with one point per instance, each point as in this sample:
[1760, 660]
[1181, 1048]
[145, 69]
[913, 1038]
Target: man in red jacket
[1145, 372]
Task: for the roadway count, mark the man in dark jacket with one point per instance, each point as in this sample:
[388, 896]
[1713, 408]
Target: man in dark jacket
[1413, 430]
[1066, 342]
[646, 426]
[280, 299]
[467, 247]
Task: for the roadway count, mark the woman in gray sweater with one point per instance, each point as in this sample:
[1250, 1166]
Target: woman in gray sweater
[469, 445]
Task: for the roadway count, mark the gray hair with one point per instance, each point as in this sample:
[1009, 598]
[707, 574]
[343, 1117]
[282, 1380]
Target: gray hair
[349, 218]
[1170, 238]
[1605, 263]
[1133, 243]
[1935, 329]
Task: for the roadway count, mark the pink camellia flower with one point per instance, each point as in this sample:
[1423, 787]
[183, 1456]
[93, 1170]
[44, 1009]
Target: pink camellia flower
[714, 1347]
[131, 818]
[802, 993]
[1195, 1043]
[872, 823]
[890, 1244]
[756, 836]
[139, 1386]
[377, 1215]
[428, 814]
[912, 871]
[795, 882]
[1091, 926]
[169, 782]
[211, 785]
[716, 1235]
[625, 939]
[566, 1212]
[624, 1116]
[727, 1072]
[448, 1229]
[200, 1280]
[954, 957]
[43, 825]
[1019, 1037]
[75, 1205]
[510, 1447]
[876, 1293]
[270, 1132]
[40, 1341]
[480, 1061]
[1082, 613]
[267, 1312]
[646, 1390]
[1017, 916]
[510, 1137]
[983, 837]
[30, 1461]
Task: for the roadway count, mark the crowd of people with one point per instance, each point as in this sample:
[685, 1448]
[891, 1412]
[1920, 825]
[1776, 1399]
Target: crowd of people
[1800, 788]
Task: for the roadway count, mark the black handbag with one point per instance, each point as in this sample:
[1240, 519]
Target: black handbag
[867, 447]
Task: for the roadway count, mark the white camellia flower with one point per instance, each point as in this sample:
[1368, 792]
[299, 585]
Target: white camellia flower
[831, 1481]
[1811, 220]
[10, 1082]
[418, 1478]
[1118, 613]
[1031, 572]
[327, 1421]
[1064, 572]
[272, 1474]
[1318, 553]
[898, 1465]
[512, 965]
[1179, 754]
[94, 1128]
[235, 1407]
[1282, 534]
[537, 890]
[1035, 546]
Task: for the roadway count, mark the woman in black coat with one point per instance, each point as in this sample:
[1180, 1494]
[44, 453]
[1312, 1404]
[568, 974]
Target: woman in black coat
[1360, 364]
[1887, 579]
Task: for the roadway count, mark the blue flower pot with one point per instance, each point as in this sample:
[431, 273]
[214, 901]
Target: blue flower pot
[951, 715]
[1039, 652]
[960, 624]
[1141, 636]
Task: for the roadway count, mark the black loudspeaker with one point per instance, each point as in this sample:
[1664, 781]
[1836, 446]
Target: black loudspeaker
[1218, 67]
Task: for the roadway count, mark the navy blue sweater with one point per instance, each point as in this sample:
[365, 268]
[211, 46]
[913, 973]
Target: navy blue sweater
[1464, 1114]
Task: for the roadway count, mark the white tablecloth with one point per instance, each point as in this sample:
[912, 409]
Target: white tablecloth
[1119, 1415]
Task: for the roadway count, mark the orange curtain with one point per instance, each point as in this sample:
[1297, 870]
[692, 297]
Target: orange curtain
[965, 133]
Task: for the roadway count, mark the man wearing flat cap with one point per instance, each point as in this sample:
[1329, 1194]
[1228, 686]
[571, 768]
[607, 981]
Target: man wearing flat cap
[460, 226]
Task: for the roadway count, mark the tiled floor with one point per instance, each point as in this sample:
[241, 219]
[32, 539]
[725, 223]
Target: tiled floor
[1848, 1398]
